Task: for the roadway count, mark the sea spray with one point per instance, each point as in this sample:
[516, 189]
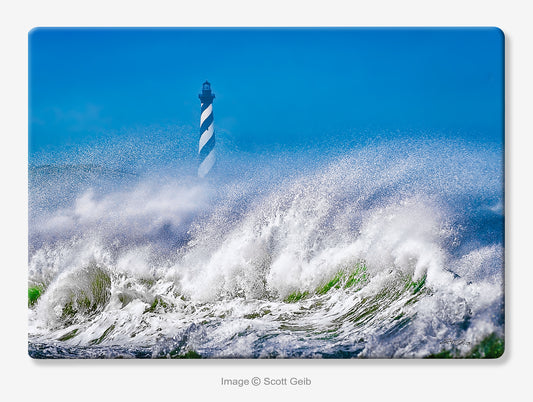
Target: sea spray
[270, 264]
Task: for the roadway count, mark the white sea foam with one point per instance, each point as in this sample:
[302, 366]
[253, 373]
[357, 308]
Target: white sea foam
[247, 246]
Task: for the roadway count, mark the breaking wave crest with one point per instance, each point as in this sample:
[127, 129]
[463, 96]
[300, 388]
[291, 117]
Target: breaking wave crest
[388, 252]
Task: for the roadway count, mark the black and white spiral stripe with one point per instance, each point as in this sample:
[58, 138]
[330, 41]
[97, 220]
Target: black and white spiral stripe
[206, 147]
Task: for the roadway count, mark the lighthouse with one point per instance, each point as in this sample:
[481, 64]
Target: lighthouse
[206, 148]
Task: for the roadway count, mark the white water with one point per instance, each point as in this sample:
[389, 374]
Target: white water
[208, 266]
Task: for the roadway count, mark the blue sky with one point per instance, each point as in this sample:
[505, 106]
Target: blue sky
[272, 86]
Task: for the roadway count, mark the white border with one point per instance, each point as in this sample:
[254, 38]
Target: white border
[198, 380]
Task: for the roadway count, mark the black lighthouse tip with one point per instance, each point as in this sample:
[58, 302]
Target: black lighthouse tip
[206, 95]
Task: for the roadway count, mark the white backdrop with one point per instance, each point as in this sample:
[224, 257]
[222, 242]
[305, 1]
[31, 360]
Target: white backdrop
[26, 379]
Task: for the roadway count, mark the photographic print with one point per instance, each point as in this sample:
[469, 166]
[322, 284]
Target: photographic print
[266, 193]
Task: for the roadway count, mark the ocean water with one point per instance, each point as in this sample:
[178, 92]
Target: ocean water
[389, 250]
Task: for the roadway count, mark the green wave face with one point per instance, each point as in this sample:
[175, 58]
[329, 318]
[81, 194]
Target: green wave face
[34, 292]
[367, 256]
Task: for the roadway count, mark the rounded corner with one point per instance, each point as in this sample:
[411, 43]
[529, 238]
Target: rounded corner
[30, 355]
[500, 354]
[33, 31]
[499, 32]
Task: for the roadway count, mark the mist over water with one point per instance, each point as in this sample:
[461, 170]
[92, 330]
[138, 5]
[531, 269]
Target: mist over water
[393, 249]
